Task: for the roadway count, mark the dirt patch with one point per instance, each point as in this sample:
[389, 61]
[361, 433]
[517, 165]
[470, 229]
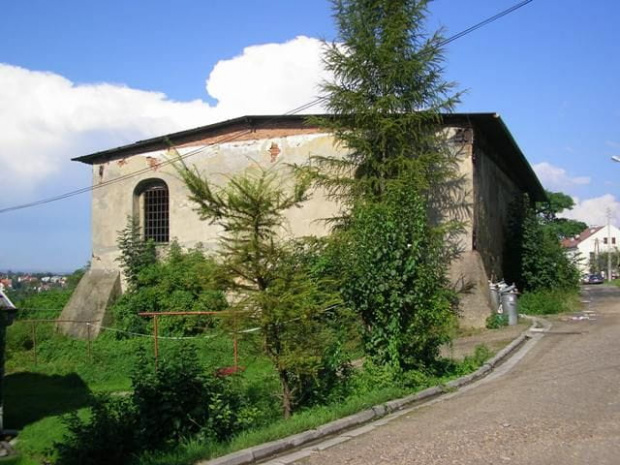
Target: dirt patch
[494, 339]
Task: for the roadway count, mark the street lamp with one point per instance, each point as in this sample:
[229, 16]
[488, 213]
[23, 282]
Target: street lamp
[616, 159]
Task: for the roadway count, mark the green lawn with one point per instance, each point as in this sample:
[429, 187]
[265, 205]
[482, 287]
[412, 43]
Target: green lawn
[67, 374]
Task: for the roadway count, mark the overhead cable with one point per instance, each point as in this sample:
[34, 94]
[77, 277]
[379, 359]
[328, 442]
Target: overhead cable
[238, 135]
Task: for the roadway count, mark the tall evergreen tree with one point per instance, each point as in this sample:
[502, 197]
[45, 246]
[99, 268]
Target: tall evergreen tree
[398, 181]
[386, 98]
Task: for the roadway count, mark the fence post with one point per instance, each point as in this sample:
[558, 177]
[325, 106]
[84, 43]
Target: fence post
[90, 343]
[34, 341]
[156, 341]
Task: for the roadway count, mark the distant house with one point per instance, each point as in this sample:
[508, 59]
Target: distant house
[586, 246]
[137, 180]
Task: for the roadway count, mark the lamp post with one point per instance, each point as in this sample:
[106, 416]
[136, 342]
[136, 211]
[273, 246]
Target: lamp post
[608, 245]
[617, 160]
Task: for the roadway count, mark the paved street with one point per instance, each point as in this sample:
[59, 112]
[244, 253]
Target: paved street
[560, 404]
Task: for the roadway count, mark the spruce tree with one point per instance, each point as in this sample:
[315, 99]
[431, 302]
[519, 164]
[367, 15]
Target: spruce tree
[386, 99]
[271, 289]
[398, 180]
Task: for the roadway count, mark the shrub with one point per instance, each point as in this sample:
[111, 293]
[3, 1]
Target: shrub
[534, 256]
[182, 281]
[496, 320]
[174, 402]
[472, 362]
[395, 279]
[107, 437]
[548, 302]
[177, 400]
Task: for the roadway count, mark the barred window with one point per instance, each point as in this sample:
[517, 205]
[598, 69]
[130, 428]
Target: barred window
[153, 203]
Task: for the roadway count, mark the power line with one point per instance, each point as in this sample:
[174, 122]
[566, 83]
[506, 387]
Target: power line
[490, 20]
[146, 170]
[236, 136]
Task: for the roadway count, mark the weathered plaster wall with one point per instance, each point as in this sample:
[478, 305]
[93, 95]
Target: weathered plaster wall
[467, 273]
[111, 205]
[494, 194]
[484, 193]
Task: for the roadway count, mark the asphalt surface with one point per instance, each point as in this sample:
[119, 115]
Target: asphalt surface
[556, 402]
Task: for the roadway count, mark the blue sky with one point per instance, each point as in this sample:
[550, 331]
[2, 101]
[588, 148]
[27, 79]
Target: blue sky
[77, 77]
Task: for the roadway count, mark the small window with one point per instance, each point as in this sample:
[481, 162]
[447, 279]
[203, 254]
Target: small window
[604, 240]
[613, 240]
[153, 207]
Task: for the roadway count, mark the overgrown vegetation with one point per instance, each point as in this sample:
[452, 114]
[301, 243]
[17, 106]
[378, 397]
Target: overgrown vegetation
[181, 281]
[397, 183]
[549, 302]
[166, 405]
[535, 258]
[394, 278]
[136, 253]
[536, 261]
[497, 320]
[272, 290]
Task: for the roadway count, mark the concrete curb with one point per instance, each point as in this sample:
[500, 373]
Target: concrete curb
[266, 450]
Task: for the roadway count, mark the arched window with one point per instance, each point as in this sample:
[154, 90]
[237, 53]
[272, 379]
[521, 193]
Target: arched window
[152, 207]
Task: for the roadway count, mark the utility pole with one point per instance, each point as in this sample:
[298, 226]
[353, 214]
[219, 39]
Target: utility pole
[608, 245]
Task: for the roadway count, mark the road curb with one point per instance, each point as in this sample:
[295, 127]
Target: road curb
[264, 451]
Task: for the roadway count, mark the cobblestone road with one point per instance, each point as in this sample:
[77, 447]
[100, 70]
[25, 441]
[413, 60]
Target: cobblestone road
[559, 405]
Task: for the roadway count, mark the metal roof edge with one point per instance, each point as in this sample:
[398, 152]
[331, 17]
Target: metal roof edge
[157, 143]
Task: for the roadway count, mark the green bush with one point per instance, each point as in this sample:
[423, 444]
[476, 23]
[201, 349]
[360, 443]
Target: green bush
[534, 257]
[108, 436]
[548, 302]
[394, 265]
[472, 362]
[183, 281]
[175, 402]
[497, 320]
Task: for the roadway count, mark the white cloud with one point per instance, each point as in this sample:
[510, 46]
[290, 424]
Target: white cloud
[273, 78]
[45, 119]
[556, 179]
[594, 211]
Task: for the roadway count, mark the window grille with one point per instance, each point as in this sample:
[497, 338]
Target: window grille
[156, 213]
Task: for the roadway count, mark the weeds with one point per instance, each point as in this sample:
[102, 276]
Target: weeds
[549, 302]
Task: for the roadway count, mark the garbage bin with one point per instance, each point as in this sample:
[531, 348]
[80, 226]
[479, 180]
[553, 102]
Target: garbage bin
[509, 304]
[494, 294]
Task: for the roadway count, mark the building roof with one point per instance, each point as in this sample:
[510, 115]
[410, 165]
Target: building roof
[489, 125]
[571, 242]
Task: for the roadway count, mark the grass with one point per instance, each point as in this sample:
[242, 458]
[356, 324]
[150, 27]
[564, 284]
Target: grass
[67, 375]
[191, 451]
[25, 405]
[549, 302]
[36, 440]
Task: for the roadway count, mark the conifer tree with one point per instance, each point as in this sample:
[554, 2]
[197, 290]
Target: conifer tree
[270, 287]
[386, 99]
[398, 181]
